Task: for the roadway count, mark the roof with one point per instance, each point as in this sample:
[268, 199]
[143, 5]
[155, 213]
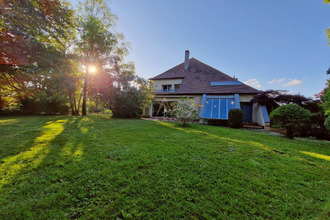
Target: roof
[197, 80]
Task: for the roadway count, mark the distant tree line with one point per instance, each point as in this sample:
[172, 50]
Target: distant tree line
[58, 60]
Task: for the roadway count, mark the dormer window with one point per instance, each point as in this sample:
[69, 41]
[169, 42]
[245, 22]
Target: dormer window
[166, 88]
[176, 87]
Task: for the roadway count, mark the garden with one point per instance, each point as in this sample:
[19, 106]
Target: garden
[64, 167]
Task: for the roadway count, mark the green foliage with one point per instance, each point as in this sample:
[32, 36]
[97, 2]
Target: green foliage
[43, 103]
[327, 123]
[235, 118]
[184, 111]
[125, 94]
[272, 98]
[129, 102]
[289, 117]
[101, 47]
[328, 30]
[97, 167]
[326, 99]
[40, 31]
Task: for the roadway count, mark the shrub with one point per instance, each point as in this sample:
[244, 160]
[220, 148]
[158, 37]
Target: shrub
[327, 123]
[184, 112]
[124, 99]
[12, 109]
[128, 103]
[289, 117]
[43, 103]
[235, 118]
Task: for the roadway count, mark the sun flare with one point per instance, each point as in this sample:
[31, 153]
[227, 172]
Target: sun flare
[92, 69]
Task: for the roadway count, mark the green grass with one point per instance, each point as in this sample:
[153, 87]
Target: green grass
[91, 167]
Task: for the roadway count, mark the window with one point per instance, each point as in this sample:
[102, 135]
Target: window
[218, 108]
[166, 88]
[177, 87]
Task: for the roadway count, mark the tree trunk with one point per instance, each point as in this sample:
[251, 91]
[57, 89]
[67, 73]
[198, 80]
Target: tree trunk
[1, 101]
[73, 112]
[84, 108]
[78, 111]
[290, 131]
[96, 104]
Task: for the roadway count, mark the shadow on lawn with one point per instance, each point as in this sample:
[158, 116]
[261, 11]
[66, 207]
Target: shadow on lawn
[17, 136]
[55, 156]
[69, 145]
[48, 147]
[60, 160]
[33, 156]
[199, 132]
[259, 145]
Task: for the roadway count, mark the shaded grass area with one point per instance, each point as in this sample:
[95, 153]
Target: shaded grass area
[62, 167]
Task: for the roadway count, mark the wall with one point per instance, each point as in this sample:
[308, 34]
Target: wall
[245, 97]
[257, 116]
[158, 83]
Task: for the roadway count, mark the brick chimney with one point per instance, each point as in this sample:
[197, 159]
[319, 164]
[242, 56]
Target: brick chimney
[186, 60]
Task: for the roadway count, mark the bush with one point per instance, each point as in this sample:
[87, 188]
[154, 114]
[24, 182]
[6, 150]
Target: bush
[128, 103]
[307, 130]
[235, 118]
[12, 109]
[124, 99]
[184, 112]
[289, 117]
[43, 103]
[327, 123]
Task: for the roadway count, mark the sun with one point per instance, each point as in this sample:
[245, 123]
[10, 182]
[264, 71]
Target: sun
[92, 69]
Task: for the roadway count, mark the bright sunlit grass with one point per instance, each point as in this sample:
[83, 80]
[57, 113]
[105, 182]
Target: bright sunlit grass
[321, 156]
[32, 157]
[64, 167]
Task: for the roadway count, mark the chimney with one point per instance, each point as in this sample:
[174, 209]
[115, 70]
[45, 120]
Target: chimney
[186, 60]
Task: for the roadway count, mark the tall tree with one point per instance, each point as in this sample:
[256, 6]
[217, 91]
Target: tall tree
[98, 45]
[33, 37]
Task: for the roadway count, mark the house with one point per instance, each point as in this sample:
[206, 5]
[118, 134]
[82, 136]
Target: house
[214, 93]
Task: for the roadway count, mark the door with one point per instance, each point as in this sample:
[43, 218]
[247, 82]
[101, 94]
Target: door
[247, 111]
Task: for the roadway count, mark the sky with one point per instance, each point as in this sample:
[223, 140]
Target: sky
[267, 44]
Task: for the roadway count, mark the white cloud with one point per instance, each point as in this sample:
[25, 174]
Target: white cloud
[293, 82]
[253, 82]
[272, 81]
[276, 81]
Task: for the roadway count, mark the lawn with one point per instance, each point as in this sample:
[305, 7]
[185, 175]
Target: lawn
[58, 167]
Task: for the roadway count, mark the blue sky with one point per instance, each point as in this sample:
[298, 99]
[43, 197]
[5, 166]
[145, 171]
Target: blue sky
[269, 44]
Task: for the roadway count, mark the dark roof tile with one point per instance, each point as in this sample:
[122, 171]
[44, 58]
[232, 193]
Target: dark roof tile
[197, 79]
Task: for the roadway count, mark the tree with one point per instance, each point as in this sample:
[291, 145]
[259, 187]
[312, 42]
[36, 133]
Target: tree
[273, 98]
[327, 123]
[115, 82]
[326, 101]
[125, 94]
[38, 30]
[184, 111]
[289, 117]
[267, 98]
[98, 45]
